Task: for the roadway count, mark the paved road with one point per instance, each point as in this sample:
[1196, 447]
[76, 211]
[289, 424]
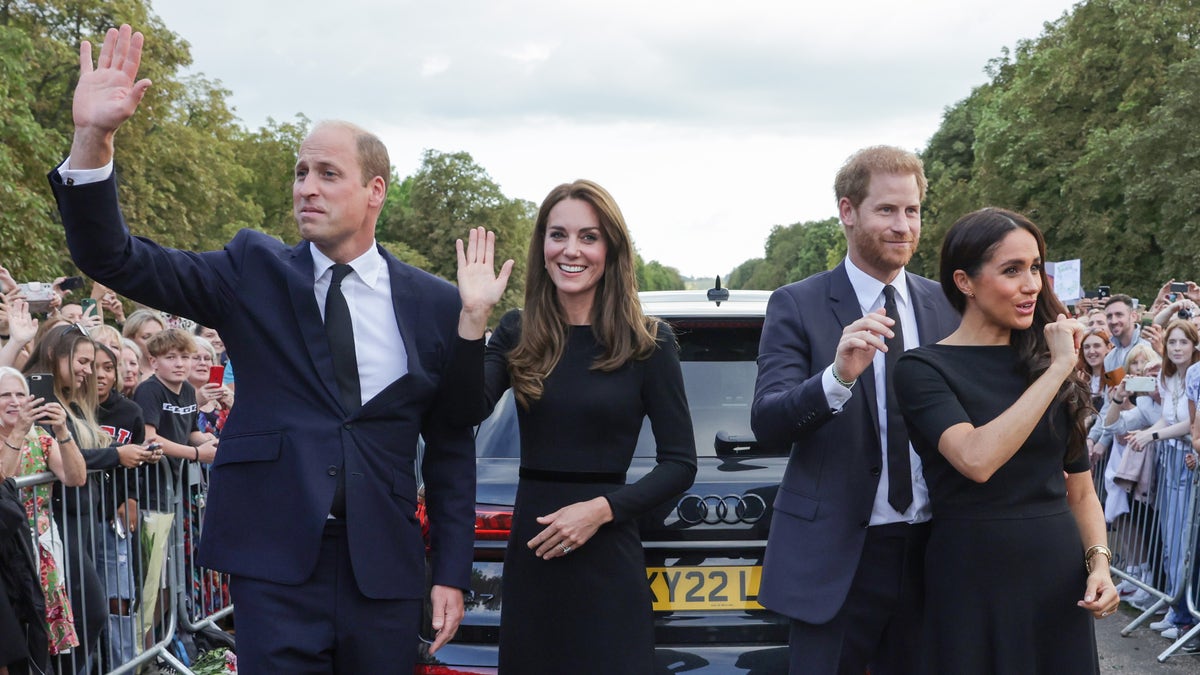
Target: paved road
[1137, 653]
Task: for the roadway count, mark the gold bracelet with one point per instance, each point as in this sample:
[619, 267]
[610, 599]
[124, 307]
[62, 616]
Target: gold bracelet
[1091, 552]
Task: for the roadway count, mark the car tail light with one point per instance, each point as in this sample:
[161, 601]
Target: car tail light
[493, 523]
[454, 670]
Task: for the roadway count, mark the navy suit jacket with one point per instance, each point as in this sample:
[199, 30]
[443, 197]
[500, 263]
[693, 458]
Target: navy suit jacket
[276, 467]
[824, 502]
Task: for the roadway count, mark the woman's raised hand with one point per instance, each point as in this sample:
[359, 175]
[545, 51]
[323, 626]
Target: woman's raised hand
[479, 286]
[1064, 337]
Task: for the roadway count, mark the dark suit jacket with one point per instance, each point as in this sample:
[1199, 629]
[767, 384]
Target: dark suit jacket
[274, 475]
[824, 502]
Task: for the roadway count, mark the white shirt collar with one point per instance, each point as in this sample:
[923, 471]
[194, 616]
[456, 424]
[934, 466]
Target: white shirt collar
[869, 289]
[366, 266]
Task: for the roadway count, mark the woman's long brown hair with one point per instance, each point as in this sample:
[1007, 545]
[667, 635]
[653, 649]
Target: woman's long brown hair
[617, 320]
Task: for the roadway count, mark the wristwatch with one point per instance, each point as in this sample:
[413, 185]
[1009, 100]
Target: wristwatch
[1154, 435]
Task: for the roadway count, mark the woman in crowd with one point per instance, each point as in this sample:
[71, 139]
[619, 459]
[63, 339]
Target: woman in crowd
[129, 366]
[1096, 343]
[1128, 476]
[117, 556]
[1173, 477]
[139, 327]
[213, 400]
[997, 413]
[585, 366]
[28, 449]
[70, 356]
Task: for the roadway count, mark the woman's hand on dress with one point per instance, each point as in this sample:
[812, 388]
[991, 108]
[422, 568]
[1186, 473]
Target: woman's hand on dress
[1190, 459]
[570, 527]
[1100, 598]
[1064, 337]
[479, 287]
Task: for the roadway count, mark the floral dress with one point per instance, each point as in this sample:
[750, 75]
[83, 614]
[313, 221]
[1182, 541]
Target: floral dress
[59, 619]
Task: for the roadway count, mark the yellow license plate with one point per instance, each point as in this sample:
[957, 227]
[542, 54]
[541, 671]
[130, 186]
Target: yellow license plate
[684, 588]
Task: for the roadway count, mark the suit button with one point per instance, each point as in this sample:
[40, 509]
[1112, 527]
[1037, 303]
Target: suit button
[874, 471]
[347, 426]
[332, 471]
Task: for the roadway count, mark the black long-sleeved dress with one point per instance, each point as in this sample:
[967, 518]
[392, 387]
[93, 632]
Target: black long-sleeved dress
[590, 610]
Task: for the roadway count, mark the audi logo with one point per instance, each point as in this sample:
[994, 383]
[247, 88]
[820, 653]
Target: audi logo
[713, 509]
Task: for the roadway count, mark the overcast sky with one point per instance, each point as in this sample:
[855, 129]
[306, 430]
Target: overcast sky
[710, 122]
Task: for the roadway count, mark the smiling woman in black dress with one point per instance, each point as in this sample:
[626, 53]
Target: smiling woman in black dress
[1017, 564]
[586, 367]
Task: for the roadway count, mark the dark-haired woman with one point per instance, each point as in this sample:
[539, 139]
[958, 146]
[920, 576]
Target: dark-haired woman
[1017, 564]
[586, 367]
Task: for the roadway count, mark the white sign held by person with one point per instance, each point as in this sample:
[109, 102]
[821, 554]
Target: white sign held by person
[1064, 276]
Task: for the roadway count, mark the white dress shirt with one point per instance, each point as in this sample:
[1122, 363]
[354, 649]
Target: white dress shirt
[378, 346]
[869, 291]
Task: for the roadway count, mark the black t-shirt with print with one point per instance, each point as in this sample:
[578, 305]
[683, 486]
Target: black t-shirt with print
[173, 417]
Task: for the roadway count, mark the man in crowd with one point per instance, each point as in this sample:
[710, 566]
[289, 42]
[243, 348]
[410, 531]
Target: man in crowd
[847, 541]
[1123, 327]
[344, 356]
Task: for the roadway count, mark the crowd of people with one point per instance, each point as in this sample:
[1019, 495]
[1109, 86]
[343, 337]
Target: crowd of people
[1140, 360]
[98, 425]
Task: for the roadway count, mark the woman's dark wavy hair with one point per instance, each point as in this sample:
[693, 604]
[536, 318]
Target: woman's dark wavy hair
[971, 242]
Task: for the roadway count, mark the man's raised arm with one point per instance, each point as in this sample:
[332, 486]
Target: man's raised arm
[106, 96]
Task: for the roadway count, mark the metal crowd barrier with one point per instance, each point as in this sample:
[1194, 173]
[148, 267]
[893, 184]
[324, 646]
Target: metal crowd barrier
[136, 593]
[1154, 530]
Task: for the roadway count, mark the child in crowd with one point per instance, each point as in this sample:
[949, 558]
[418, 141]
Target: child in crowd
[168, 403]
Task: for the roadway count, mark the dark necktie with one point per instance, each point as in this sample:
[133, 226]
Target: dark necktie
[340, 332]
[899, 467]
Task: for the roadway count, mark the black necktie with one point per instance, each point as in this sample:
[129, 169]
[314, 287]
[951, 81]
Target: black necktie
[340, 332]
[899, 467]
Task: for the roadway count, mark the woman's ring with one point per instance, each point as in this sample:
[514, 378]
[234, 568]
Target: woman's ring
[565, 548]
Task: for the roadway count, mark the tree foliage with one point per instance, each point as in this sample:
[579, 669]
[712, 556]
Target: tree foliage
[792, 252]
[1088, 130]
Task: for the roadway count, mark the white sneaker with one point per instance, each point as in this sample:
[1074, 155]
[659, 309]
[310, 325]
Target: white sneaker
[1161, 626]
[1127, 588]
[1171, 633]
[1144, 601]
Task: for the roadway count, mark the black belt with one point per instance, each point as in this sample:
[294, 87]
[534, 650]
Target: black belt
[572, 476]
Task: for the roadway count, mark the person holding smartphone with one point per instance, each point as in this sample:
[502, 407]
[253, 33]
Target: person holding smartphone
[28, 448]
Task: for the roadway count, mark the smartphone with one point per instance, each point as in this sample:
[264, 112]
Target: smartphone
[89, 306]
[1103, 292]
[38, 296]
[41, 385]
[216, 374]
[1139, 384]
[1178, 287]
[1113, 377]
[71, 283]
[1146, 320]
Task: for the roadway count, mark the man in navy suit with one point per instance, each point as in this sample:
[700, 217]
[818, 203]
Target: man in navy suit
[312, 501]
[846, 546]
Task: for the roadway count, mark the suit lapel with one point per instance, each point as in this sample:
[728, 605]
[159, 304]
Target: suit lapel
[308, 316]
[925, 309]
[845, 306]
[406, 306]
